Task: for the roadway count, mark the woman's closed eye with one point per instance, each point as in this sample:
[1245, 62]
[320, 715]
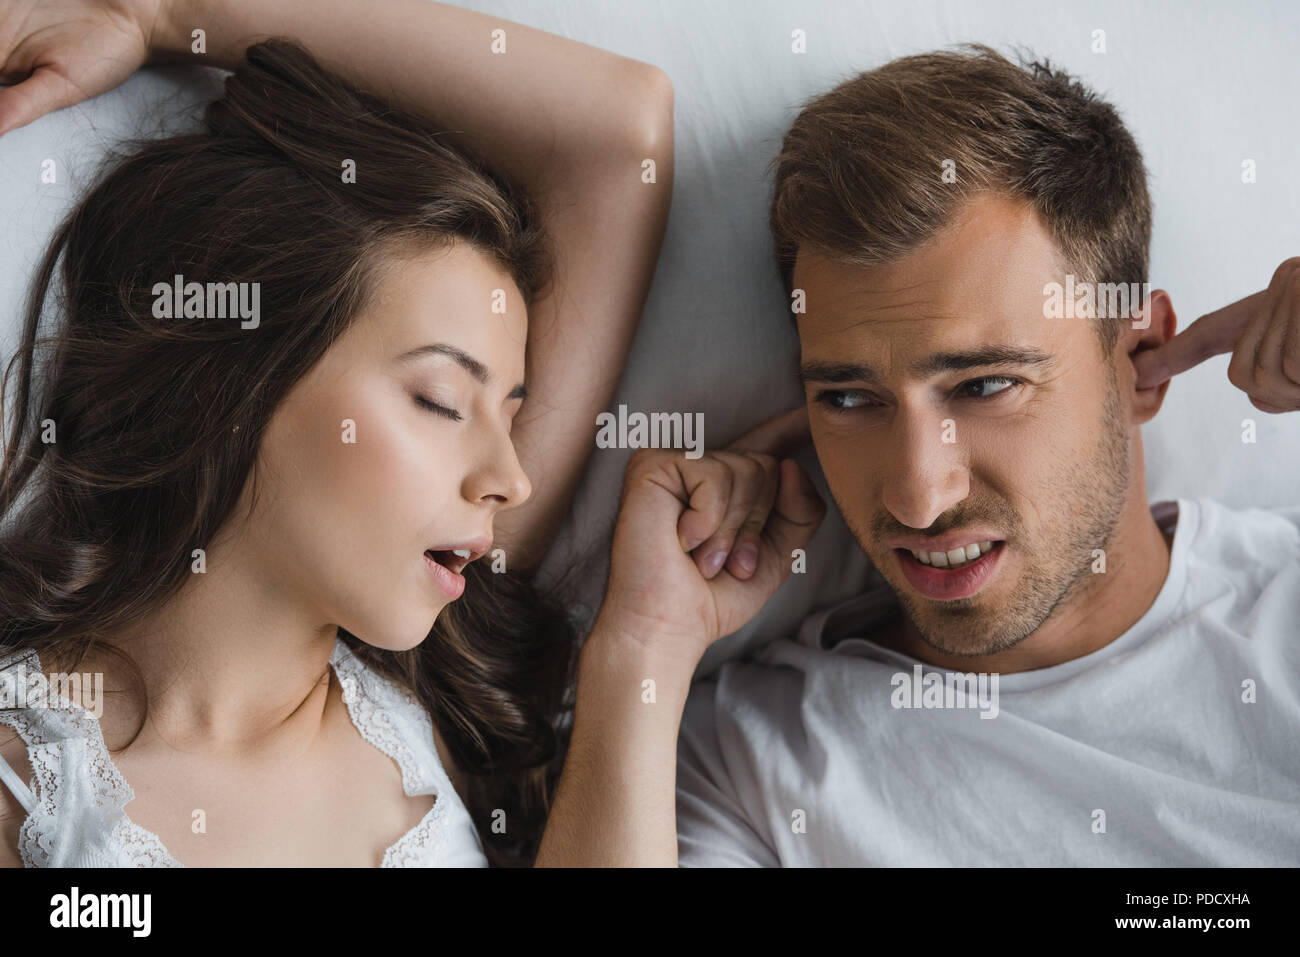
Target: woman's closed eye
[437, 409]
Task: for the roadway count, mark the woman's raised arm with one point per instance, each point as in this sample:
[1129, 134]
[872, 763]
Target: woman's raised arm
[575, 126]
[570, 123]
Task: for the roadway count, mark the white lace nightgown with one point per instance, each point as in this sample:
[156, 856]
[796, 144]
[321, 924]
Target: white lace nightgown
[75, 812]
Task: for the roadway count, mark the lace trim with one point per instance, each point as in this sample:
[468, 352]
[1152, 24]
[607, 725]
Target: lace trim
[69, 739]
[373, 705]
[60, 739]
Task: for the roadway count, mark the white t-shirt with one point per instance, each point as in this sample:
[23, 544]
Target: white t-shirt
[1177, 744]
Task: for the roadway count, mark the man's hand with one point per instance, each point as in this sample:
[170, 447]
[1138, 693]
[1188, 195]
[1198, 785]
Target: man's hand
[701, 545]
[60, 52]
[615, 803]
[1261, 331]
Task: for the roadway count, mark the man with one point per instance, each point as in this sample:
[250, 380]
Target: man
[1053, 672]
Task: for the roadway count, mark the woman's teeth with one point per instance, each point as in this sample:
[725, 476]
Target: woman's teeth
[955, 558]
[454, 558]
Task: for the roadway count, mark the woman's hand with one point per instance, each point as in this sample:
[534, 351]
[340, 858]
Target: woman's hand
[60, 52]
[679, 578]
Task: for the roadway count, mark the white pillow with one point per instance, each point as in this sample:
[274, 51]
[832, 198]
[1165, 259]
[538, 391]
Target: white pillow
[1200, 95]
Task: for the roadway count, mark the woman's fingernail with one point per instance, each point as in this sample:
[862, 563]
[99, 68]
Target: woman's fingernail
[713, 562]
[747, 557]
[693, 543]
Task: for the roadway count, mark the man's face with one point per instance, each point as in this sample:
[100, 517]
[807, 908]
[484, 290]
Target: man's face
[948, 412]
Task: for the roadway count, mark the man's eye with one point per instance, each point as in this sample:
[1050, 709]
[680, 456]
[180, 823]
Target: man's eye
[437, 409]
[975, 388]
[841, 402]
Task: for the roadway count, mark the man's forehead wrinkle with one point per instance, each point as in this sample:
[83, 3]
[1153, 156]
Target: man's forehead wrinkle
[884, 294]
[887, 306]
[888, 326]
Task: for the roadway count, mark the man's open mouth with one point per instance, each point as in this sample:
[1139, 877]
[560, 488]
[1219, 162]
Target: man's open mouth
[956, 573]
[956, 558]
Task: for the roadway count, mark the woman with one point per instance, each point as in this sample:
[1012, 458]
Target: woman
[258, 515]
[249, 524]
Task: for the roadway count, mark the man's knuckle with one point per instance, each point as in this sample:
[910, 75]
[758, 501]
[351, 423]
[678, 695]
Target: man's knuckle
[1288, 270]
[1260, 375]
[641, 457]
[1291, 365]
[1237, 376]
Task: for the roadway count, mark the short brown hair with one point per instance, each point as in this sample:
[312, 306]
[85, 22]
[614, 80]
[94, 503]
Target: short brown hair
[859, 175]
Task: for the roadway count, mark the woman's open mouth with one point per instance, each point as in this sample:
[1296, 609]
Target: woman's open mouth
[446, 566]
[946, 576]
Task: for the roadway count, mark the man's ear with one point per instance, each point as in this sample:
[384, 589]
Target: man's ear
[1153, 325]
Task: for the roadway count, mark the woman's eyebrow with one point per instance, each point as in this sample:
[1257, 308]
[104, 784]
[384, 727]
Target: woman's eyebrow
[471, 365]
[466, 361]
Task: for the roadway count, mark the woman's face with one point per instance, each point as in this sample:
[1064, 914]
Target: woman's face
[360, 476]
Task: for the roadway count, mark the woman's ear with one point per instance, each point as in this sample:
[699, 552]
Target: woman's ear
[1154, 324]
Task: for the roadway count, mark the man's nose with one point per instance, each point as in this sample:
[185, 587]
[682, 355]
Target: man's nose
[927, 472]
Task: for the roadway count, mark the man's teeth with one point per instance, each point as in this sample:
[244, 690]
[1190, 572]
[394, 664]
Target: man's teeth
[954, 558]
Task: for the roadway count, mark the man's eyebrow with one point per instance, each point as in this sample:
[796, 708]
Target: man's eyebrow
[837, 372]
[974, 358]
[930, 365]
[466, 361]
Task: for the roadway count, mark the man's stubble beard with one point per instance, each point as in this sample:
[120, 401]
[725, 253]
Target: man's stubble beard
[1093, 501]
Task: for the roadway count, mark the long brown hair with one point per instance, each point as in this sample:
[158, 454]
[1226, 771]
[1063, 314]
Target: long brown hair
[159, 423]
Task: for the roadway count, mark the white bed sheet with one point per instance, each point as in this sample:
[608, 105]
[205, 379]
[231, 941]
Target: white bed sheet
[1203, 86]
